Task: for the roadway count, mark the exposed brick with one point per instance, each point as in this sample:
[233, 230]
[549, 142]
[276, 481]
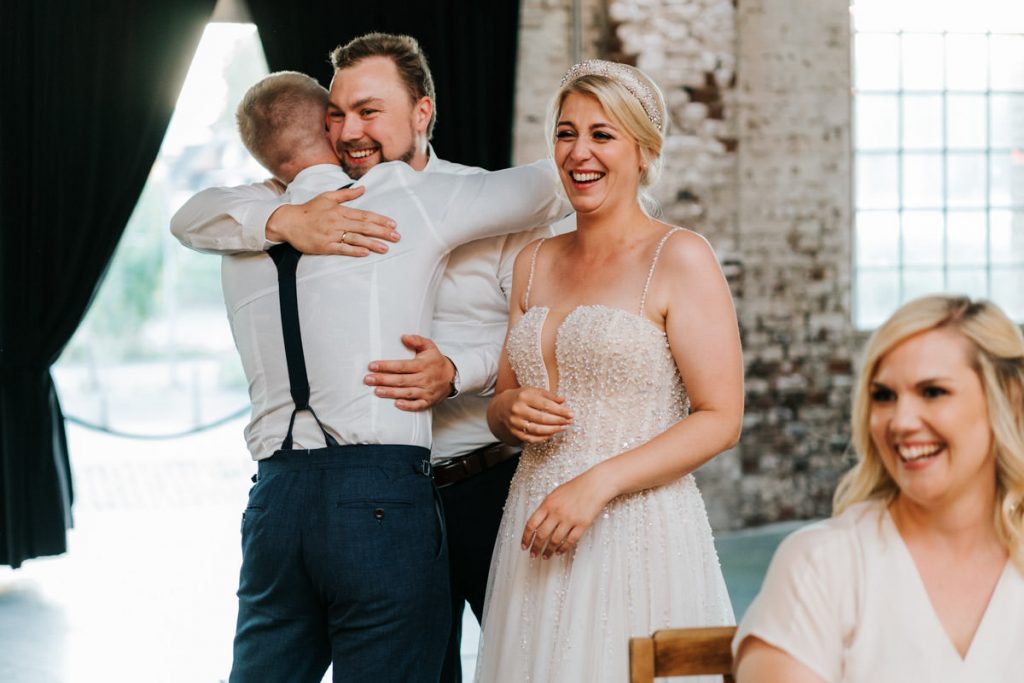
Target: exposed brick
[758, 160]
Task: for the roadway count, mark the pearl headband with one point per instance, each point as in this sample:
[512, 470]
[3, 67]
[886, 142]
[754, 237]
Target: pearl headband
[624, 76]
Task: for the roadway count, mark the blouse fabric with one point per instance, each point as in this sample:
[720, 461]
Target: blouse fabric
[844, 598]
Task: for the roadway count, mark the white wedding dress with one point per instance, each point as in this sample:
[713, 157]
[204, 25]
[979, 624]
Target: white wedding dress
[648, 561]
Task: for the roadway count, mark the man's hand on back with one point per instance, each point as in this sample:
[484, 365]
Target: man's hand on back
[417, 383]
[324, 225]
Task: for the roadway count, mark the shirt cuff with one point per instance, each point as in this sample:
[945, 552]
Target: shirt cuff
[253, 217]
[471, 372]
[456, 383]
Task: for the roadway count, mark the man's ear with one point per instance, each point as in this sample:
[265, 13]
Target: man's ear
[423, 110]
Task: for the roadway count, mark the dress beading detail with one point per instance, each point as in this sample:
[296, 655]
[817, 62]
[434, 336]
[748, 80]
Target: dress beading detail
[647, 562]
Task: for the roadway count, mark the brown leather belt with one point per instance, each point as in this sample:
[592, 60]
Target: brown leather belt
[465, 466]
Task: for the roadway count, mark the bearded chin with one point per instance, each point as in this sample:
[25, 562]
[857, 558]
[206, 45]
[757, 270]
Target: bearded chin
[357, 172]
[353, 172]
[407, 157]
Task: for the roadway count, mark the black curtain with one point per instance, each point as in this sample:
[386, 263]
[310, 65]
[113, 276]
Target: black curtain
[88, 89]
[470, 45]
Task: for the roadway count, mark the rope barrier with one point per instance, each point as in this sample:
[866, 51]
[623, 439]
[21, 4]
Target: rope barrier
[241, 412]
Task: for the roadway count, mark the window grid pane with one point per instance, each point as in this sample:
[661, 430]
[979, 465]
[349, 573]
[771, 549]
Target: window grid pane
[939, 158]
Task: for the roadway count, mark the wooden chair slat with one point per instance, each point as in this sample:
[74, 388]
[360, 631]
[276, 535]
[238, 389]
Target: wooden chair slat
[688, 652]
[682, 652]
[641, 660]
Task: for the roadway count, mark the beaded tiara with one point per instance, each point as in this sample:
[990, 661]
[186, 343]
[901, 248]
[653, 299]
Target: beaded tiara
[624, 76]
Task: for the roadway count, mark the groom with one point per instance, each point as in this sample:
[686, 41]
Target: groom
[377, 78]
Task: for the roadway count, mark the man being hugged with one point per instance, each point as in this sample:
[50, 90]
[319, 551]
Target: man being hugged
[344, 554]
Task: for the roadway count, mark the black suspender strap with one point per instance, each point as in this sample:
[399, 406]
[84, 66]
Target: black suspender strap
[286, 258]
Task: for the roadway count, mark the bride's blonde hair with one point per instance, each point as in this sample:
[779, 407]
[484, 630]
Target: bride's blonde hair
[997, 356]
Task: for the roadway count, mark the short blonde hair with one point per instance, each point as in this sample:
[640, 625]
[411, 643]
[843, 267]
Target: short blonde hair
[280, 116]
[997, 356]
[627, 113]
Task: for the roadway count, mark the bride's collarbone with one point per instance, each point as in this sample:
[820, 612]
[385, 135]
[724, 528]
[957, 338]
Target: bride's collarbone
[571, 288]
[621, 261]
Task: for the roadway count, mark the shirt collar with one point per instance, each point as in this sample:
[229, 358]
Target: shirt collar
[316, 171]
[431, 159]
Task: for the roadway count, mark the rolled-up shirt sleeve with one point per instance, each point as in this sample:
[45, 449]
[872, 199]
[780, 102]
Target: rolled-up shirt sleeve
[228, 220]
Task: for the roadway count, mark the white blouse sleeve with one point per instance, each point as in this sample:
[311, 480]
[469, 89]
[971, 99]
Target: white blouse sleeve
[805, 604]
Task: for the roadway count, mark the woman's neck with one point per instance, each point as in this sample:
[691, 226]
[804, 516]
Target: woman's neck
[967, 525]
[600, 230]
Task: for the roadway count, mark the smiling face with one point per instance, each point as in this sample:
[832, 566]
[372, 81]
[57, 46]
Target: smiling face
[598, 162]
[372, 118]
[929, 420]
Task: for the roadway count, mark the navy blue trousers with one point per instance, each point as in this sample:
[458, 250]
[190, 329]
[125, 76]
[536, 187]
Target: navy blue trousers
[344, 560]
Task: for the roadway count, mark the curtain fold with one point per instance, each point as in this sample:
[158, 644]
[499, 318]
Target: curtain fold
[89, 88]
[471, 47]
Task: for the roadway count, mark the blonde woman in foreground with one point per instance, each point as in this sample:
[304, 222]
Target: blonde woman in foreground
[919, 576]
[622, 374]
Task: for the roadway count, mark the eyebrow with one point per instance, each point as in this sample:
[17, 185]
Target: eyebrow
[917, 385]
[593, 127]
[366, 100]
[357, 104]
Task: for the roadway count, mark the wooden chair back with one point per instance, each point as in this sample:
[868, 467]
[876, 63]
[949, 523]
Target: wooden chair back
[682, 652]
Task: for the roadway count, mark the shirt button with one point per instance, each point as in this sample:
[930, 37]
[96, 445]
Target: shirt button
[378, 514]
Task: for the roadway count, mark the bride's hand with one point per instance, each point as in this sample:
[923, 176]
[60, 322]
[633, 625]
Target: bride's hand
[566, 514]
[531, 414]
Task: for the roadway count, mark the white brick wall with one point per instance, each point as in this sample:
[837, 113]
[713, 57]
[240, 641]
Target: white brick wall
[793, 113]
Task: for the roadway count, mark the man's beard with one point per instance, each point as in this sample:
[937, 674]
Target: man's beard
[356, 172]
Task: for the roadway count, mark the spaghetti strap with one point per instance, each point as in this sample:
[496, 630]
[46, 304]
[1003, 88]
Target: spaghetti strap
[529, 282]
[650, 271]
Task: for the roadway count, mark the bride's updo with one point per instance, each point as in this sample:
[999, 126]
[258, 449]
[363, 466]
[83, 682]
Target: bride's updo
[633, 102]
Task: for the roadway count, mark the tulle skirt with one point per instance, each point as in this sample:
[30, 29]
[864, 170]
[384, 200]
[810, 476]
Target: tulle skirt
[648, 562]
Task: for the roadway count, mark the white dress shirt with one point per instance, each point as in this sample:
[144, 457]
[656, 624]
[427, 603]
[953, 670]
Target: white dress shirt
[470, 322]
[471, 313]
[353, 310]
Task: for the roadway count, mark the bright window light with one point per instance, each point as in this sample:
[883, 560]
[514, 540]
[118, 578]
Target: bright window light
[938, 153]
[154, 354]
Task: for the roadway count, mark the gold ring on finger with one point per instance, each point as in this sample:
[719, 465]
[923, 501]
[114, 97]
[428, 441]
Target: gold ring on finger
[343, 235]
[527, 427]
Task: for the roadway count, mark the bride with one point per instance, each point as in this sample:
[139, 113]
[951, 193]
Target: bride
[622, 374]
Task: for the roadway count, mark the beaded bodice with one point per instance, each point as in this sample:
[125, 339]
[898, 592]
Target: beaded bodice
[647, 560]
[618, 376]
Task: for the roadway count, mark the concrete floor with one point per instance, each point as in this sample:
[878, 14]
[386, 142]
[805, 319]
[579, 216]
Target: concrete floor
[146, 590]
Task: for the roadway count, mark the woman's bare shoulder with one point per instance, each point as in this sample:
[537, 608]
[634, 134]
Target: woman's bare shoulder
[686, 251]
[525, 255]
